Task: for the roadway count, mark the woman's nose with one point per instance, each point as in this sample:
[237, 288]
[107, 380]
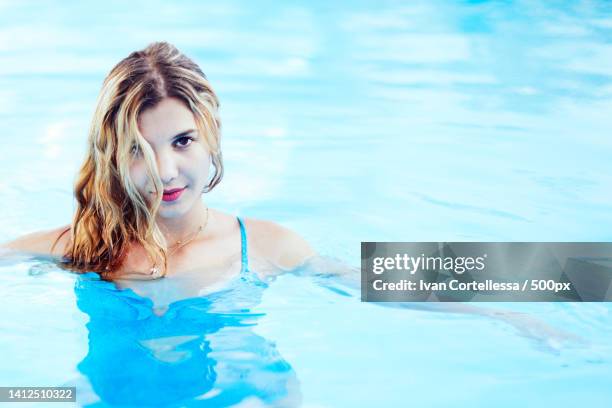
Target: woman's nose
[167, 167]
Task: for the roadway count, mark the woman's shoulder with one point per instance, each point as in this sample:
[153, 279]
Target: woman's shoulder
[47, 242]
[280, 245]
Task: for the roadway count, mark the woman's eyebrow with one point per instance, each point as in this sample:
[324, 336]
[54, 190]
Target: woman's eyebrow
[183, 133]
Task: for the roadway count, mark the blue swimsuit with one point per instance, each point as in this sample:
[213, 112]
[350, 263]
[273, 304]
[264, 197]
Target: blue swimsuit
[243, 245]
[202, 346]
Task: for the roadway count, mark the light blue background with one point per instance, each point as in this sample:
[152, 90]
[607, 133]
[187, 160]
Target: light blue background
[349, 122]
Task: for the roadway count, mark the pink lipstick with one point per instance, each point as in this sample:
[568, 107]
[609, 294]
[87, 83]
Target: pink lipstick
[172, 195]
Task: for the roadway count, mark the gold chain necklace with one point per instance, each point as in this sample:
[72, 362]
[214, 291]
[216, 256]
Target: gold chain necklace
[155, 272]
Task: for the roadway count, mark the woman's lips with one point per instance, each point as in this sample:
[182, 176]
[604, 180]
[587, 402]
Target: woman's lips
[172, 195]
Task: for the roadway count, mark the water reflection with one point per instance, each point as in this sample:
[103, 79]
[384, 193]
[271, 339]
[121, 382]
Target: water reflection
[201, 352]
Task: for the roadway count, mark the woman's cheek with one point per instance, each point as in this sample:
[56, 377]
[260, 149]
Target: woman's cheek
[139, 177]
[201, 160]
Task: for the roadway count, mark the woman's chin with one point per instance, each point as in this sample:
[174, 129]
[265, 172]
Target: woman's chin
[166, 211]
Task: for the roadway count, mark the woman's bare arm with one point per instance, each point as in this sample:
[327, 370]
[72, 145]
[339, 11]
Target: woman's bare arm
[334, 271]
[280, 246]
[39, 243]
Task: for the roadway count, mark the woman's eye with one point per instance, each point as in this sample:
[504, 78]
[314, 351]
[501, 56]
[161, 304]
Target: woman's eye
[135, 150]
[183, 141]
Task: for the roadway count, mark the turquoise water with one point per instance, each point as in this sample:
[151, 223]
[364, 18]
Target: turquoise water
[426, 121]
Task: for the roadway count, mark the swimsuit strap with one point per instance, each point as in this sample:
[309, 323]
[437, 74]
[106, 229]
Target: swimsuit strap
[243, 240]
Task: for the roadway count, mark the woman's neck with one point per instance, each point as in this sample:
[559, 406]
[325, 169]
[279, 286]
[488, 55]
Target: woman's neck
[181, 228]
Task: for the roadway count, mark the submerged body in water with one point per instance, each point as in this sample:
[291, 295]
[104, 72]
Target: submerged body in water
[200, 352]
[196, 351]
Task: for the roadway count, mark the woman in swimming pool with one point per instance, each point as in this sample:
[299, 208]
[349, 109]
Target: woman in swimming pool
[154, 137]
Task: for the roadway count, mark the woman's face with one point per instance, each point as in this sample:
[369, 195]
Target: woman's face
[183, 158]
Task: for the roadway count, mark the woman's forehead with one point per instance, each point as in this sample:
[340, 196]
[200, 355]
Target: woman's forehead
[165, 120]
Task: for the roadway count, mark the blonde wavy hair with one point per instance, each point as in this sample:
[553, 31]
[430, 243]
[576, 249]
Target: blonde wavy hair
[111, 214]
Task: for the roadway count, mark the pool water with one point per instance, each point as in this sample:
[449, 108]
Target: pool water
[425, 121]
[290, 341]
